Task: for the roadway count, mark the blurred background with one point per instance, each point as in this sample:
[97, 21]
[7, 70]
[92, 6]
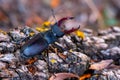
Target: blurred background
[95, 14]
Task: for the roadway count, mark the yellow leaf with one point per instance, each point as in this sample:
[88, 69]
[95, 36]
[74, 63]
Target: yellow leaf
[53, 61]
[45, 26]
[71, 50]
[40, 29]
[32, 33]
[80, 34]
[1, 31]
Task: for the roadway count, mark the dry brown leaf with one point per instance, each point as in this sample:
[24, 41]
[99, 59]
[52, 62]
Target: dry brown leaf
[62, 56]
[32, 69]
[1, 55]
[31, 61]
[113, 66]
[85, 76]
[62, 76]
[101, 65]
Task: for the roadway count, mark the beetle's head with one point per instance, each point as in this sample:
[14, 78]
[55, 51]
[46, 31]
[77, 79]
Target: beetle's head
[68, 25]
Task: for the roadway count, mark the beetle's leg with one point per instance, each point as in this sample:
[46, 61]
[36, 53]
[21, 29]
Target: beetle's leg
[48, 61]
[59, 47]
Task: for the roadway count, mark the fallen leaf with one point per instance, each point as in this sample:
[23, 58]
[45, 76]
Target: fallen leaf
[32, 69]
[101, 65]
[44, 27]
[53, 61]
[32, 33]
[113, 66]
[62, 56]
[1, 31]
[62, 76]
[31, 61]
[80, 34]
[85, 76]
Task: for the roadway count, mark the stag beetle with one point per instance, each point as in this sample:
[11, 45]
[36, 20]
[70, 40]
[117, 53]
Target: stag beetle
[41, 41]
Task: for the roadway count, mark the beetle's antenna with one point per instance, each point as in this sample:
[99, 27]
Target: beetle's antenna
[53, 14]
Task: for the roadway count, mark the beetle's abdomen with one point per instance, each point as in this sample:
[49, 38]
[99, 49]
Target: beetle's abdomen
[34, 46]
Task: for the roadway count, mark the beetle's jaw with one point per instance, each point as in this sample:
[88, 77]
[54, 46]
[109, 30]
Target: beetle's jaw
[67, 25]
[63, 20]
[71, 30]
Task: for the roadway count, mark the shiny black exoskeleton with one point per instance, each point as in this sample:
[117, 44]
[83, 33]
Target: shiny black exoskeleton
[41, 41]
